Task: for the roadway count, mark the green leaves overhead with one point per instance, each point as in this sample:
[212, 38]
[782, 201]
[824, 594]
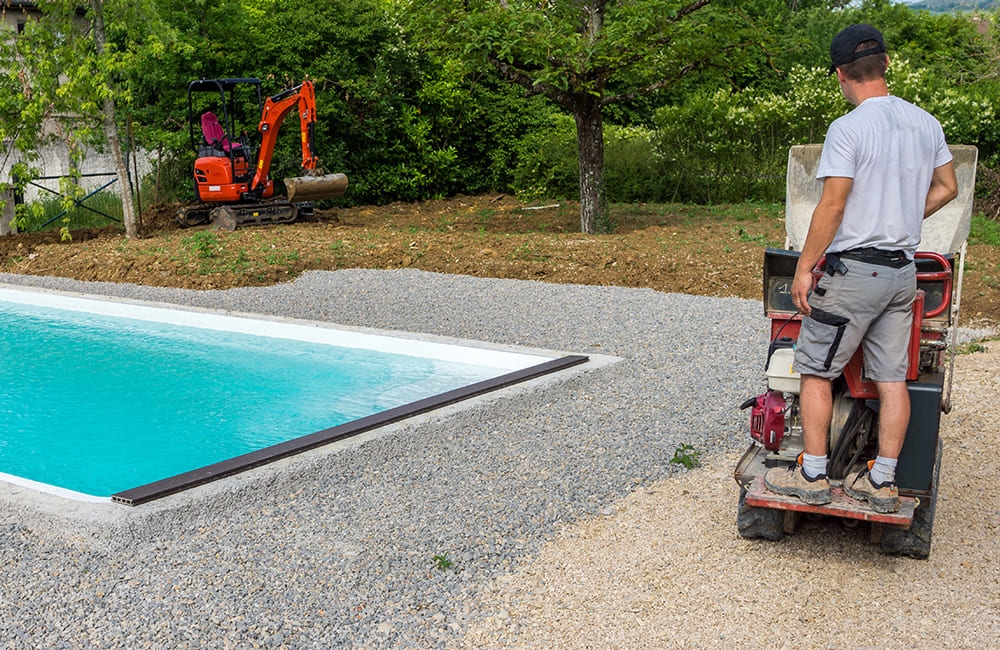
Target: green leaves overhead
[616, 50]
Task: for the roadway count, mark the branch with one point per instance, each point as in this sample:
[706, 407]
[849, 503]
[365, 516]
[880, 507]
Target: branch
[690, 9]
[659, 85]
[664, 39]
[531, 86]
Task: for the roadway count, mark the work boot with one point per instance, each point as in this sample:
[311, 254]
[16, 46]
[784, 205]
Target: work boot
[882, 497]
[792, 481]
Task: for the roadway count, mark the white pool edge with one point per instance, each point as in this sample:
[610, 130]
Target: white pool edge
[54, 490]
[311, 332]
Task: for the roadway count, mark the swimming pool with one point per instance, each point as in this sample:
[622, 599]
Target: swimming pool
[110, 399]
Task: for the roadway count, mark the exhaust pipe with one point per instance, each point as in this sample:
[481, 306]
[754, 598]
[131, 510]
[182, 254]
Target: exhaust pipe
[316, 188]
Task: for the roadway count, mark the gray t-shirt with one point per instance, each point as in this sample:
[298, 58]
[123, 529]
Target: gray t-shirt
[890, 148]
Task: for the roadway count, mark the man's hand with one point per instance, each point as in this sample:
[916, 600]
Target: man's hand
[801, 285]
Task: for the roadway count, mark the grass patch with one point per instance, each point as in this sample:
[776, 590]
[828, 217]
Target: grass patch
[47, 213]
[984, 231]
[687, 456]
[643, 215]
[971, 348]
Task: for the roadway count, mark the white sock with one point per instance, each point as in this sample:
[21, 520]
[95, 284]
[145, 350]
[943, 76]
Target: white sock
[813, 466]
[884, 469]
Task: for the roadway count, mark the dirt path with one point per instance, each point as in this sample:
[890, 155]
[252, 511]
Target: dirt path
[669, 570]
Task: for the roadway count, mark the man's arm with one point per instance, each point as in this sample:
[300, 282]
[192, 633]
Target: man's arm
[944, 188]
[823, 227]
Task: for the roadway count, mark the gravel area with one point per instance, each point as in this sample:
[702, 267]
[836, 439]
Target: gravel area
[565, 523]
[667, 569]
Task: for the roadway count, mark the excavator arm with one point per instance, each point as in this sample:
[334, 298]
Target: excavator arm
[276, 108]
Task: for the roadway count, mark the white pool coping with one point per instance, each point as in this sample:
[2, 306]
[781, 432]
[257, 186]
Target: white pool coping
[307, 331]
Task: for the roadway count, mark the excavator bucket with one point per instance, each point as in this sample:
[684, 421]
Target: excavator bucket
[315, 188]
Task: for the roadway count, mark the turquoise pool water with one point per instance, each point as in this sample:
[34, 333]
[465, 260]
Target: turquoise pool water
[98, 404]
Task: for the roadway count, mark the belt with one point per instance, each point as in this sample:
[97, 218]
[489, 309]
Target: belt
[894, 259]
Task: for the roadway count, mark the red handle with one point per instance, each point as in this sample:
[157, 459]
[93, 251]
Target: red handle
[944, 274]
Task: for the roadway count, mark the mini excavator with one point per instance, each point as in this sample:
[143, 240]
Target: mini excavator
[231, 174]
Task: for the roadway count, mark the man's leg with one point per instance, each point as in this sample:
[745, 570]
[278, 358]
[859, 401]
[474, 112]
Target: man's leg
[893, 418]
[816, 408]
[876, 483]
[808, 481]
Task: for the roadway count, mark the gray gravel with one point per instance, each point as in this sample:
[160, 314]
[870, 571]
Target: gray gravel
[338, 549]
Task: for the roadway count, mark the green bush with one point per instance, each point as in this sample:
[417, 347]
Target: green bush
[730, 146]
[547, 162]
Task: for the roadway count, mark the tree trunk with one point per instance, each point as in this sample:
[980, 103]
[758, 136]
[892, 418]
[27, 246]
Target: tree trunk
[111, 130]
[590, 141]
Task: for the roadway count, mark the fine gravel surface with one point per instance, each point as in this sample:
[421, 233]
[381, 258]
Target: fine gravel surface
[668, 570]
[565, 523]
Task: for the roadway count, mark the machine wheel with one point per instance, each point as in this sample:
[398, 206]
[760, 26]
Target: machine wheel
[192, 216]
[754, 522]
[915, 541]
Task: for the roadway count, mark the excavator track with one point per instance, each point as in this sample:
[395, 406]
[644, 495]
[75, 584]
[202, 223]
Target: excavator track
[234, 215]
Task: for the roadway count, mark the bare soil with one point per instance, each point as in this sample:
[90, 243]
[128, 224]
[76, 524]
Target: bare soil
[674, 248]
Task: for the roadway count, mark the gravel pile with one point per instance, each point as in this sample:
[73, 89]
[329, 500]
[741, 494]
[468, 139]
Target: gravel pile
[347, 548]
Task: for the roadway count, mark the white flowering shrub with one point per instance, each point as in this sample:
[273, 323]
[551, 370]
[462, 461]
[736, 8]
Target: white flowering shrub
[730, 146]
[725, 146]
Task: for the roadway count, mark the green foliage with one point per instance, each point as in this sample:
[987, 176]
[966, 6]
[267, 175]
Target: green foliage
[34, 216]
[687, 456]
[68, 79]
[587, 55]
[413, 100]
[984, 231]
[947, 6]
[971, 347]
[948, 45]
[743, 138]
[633, 169]
[202, 245]
[442, 563]
[547, 161]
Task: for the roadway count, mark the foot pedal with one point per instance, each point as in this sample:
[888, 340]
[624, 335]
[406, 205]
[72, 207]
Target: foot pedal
[842, 505]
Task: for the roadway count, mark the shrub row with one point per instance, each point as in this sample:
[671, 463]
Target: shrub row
[725, 146]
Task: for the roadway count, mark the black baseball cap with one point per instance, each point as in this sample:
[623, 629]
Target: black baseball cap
[842, 47]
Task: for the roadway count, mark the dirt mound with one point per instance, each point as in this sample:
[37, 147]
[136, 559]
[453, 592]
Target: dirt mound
[716, 251]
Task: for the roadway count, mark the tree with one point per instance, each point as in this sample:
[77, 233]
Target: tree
[586, 55]
[70, 74]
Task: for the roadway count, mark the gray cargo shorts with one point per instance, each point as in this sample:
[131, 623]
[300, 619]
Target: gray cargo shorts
[870, 305]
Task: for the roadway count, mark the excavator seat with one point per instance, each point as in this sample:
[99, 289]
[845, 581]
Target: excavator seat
[214, 134]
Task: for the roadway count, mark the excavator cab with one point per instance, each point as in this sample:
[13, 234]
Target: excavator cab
[220, 134]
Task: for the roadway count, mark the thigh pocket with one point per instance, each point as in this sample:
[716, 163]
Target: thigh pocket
[828, 328]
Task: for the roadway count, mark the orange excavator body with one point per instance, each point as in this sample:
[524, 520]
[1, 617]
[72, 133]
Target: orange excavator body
[232, 177]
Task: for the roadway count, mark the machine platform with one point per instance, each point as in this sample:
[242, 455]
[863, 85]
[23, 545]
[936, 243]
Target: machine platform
[842, 505]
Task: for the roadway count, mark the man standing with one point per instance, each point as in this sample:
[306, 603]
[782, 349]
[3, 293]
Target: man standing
[885, 167]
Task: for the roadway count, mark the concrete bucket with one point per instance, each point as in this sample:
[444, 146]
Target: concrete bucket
[315, 188]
